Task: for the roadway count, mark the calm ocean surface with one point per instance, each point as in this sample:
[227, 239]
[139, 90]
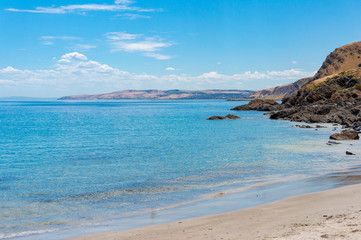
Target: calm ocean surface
[79, 167]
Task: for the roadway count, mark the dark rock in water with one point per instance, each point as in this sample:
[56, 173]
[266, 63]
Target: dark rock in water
[303, 126]
[229, 116]
[333, 142]
[349, 153]
[216, 118]
[319, 126]
[259, 105]
[345, 135]
[357, 125]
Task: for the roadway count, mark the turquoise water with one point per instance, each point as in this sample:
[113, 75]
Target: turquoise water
[71, 165]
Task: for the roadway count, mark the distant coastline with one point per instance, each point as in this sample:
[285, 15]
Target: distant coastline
[165, 95]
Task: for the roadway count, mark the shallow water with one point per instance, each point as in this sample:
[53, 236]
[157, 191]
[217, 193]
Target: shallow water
[70, 167]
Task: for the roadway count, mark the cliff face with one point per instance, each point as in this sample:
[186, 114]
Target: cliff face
[282, 91]
[332, 99]
[341, 59]
[167, 94]
[341, 87]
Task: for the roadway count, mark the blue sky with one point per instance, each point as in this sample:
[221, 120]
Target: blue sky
[56, 48]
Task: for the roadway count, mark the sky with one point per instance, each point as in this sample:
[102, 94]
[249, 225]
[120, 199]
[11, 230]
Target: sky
[67, 47]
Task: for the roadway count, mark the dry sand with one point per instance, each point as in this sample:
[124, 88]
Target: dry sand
[332, 214]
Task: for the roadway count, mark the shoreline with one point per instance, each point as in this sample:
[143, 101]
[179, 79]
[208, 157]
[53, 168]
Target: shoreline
[319, 215]
[193, 227]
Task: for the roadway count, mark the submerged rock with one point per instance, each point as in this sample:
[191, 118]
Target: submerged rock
[345, 135]
[229, 116]
[259, 105]
[216, 118]
[303, 126]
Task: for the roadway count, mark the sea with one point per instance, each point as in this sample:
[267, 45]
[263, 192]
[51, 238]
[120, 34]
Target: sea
[69, 168]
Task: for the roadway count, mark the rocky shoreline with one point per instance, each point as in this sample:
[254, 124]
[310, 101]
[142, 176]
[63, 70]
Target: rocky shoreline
[345, 113]
[333, 99]
[332, 95]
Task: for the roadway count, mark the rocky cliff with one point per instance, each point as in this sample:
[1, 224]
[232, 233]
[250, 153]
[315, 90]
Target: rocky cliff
[341, 59]
[341, 87]
[332, 99]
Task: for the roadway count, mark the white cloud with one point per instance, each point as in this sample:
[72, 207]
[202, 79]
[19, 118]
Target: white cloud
[123, 2]
[290, 73]
[118, 6]
[250, 75]
[84, 47]
[74, 73]
[149, 46]
[66, 38]
[48, 43]
[9, 70]
[213, 75]
[294, 62]
[67, 58]
[49, 40]
[132, 16]
[118, 36]
[157, 56]
[143, 46]
[238, 76]
[6, 82]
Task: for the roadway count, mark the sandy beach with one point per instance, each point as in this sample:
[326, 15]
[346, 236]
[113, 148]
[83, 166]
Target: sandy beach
[331, 214]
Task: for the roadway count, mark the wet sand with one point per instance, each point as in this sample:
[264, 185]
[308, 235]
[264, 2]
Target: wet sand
[331, 214]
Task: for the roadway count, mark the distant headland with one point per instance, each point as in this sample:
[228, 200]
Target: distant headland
[165, 95]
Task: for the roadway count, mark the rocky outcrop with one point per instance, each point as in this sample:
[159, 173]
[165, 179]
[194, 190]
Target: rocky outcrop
[341, 59]
[345, 135]
[259, 105]
[229, 116]
[345, 86]
[334, 99]
[321, 113]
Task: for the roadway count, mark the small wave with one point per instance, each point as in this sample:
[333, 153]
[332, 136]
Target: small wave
[26, 233]
[219, 194]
